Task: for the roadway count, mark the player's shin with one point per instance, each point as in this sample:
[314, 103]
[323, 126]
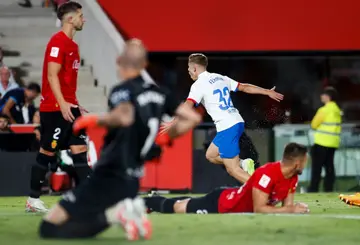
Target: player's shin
[233, 168]
[38, 172]
[81, 165]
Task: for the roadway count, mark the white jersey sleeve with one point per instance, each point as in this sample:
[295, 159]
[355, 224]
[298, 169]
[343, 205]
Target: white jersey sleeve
[233, 84]
[196, 93]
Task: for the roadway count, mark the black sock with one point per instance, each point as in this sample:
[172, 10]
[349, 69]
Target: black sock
[73, 228]
[38, 172]
[154, 203]
[160, 204]
[82, 167]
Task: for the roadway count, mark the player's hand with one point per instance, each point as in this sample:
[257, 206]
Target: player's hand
[84, 122]
[165, 126]
[275, 95]
[66, 111]
[83, 110]
[301, 208]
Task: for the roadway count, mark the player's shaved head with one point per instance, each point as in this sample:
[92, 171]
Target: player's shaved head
[134, 55]
[199, 59]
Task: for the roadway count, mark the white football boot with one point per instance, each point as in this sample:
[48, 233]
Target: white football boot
[248, 165]
[35, 205]
[143, 224]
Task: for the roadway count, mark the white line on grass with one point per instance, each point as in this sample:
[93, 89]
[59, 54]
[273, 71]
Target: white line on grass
[333, 216]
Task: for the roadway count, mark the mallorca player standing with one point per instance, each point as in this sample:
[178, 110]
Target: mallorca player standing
[271, 184]
[59, 106]
[213, 91]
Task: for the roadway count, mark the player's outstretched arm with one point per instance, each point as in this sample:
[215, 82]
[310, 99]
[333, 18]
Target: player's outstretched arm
[122, 116]
[260, 204]
[252, 89]
[186, 119]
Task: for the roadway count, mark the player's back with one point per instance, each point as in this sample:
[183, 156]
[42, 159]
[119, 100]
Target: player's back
[269, 179]
[216, 99]
[133, 143]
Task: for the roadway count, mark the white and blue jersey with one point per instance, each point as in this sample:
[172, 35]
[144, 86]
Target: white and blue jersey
[213, 92]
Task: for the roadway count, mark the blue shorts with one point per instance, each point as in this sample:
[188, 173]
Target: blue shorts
[228, 141]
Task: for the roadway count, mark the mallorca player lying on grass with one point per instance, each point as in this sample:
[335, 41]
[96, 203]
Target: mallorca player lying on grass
[270, 184]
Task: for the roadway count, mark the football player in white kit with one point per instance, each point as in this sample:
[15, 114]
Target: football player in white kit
[213, 92]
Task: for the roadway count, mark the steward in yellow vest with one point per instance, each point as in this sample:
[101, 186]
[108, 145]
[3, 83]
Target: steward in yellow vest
[327, 126]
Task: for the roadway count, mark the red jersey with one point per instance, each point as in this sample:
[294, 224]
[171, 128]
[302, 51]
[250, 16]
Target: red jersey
[268, 179]
[62, 50]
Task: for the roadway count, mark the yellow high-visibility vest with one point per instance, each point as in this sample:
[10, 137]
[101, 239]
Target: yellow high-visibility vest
[328, 132]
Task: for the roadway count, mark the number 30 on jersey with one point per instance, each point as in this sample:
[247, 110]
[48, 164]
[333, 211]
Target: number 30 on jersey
[224, 98]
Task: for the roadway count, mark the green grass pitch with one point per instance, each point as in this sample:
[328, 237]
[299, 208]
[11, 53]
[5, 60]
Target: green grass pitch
[330, 222]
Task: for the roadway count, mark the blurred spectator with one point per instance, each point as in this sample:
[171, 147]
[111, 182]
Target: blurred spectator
[16, 75]
[16, 103]
[4, 124]
[6, 84]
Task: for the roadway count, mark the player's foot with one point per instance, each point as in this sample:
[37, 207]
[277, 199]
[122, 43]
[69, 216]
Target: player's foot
[248, 165]
[124, 214]
[35, 205]
[142, 222]
[351, 199]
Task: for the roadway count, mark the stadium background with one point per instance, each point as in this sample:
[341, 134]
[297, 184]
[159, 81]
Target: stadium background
[298, 47]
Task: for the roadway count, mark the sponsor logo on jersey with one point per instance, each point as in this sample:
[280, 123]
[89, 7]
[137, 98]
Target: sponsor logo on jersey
[150, 97]
[76, 65]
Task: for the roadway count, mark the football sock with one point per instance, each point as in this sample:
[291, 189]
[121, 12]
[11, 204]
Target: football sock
[73, 228]
[160, 204]
[81, 165]
[38, 173]
[154, 203]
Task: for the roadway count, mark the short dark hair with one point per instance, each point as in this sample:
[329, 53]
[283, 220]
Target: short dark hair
[331, 92]
[66, 8]
[34, 87]
[294, 150]
[4, 116]
[199, 59]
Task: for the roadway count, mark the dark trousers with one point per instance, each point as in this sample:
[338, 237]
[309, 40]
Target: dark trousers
[322, 157]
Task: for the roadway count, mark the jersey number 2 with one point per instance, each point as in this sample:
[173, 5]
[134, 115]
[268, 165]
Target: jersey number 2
[224, 99]
[153, 125]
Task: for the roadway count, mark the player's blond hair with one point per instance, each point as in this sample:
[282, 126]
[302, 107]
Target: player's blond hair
[199, 59]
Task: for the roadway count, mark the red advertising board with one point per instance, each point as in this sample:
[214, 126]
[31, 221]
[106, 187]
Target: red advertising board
[239, 25]
[172, 172]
